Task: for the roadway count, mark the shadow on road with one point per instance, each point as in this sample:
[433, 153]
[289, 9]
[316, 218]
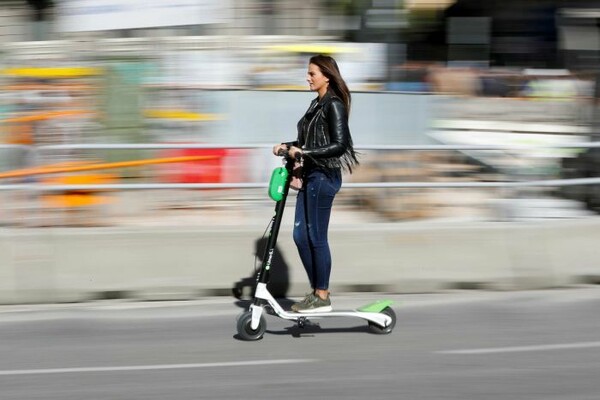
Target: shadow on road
[279, 279]
[311, 329]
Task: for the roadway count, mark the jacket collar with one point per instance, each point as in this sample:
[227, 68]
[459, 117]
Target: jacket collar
[325, 98]
[319, 103]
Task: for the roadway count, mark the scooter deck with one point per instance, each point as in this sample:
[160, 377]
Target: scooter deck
[376, 317]
[370, 312]
[375, 307]
[334, 313]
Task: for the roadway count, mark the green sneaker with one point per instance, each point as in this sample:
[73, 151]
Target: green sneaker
[313, 304]
[304, 301]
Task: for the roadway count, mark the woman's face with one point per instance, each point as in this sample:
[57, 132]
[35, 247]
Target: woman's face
[316, 80]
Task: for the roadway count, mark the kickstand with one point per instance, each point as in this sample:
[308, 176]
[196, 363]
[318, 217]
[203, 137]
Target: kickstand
[304, 322]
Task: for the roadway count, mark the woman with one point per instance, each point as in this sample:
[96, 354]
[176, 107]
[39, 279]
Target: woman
[325, 147]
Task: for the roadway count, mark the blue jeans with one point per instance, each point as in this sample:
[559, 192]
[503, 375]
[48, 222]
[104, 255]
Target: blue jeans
[311, 223]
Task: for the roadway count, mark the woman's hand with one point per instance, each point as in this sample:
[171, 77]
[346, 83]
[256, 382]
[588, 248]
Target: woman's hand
[278, 148]
[295, 152]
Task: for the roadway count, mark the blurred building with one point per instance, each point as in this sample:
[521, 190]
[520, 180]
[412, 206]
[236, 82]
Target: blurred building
[533, 33]
[171, 72]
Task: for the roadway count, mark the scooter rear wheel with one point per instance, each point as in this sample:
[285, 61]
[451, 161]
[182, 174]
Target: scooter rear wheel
[245, 330]
[379, 330]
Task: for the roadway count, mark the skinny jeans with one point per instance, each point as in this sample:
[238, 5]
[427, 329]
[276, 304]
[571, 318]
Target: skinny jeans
[311, 223]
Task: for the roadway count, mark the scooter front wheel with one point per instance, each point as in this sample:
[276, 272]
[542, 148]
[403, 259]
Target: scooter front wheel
[245, 330]
[374, 328]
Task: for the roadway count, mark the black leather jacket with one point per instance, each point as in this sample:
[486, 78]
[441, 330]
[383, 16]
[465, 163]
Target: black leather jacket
[324, 136]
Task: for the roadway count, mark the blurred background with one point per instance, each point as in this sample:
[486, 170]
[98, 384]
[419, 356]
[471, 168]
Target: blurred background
[124, 114]
[226, 74]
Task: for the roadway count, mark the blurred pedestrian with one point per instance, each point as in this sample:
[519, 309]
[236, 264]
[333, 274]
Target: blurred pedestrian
[324, 146]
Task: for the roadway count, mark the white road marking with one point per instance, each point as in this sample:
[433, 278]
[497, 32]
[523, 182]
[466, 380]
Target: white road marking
[515, 349]
[150, 367]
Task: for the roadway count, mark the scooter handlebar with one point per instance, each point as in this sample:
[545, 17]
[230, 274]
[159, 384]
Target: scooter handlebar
[286, 154]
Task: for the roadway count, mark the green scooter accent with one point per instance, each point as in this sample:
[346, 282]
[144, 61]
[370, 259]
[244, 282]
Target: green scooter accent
[376, 307]
[277, 183]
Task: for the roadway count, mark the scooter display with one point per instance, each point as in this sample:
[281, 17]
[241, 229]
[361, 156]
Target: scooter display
[252, 324]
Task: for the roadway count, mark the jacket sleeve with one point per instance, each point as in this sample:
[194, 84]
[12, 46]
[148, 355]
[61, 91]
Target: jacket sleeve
[339, 133]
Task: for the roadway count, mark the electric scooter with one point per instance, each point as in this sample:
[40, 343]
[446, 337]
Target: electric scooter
[251, 325]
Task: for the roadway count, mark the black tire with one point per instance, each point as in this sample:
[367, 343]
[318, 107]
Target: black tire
[246, 332]
[378, 330]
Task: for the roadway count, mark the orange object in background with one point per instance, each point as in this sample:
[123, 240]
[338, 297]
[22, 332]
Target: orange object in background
[80, 166]
[43, 116]
[20, 134]
[81, 198]
[78, 198]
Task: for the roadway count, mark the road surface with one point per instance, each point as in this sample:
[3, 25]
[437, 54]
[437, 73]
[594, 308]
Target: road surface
[534, 345]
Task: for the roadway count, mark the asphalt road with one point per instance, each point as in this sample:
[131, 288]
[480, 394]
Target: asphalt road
[540, 345]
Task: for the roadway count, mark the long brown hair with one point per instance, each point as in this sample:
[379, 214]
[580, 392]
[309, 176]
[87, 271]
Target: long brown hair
[330, 69]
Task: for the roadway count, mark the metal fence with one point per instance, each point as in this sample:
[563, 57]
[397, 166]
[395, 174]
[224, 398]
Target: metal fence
[244, 185]
[394, 197]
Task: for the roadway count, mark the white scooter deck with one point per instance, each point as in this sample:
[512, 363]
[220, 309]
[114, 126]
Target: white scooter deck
[262, 293]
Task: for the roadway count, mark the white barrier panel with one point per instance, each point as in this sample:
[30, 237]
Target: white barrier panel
[60, 265]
